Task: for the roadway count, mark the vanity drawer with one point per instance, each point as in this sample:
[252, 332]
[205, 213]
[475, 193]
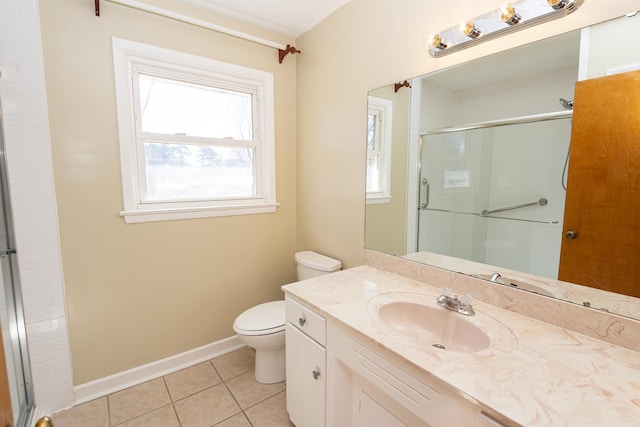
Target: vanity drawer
[307, 321]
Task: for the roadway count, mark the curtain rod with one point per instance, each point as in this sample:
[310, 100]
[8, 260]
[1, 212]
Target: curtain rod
[503, 122]
[197, 22]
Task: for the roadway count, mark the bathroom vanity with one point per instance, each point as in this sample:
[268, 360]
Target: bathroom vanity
[366, 347]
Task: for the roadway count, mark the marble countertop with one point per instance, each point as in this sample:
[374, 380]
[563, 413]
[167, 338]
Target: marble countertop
[533, 373]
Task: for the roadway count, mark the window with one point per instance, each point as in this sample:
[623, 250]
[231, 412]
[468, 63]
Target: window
[196, 135]
[379, 133]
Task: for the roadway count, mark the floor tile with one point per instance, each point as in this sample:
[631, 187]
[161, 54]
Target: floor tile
[248, 391]
[93, 413]
[270, 413]
[165, 417]
[235, 363]
[207, 408]
[139, 400]
[201, 398]
[191, 380]
[239, 420]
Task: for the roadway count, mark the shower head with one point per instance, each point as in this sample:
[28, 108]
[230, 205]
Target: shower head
[567, 105]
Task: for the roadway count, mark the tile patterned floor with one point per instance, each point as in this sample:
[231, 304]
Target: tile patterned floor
[221, 392]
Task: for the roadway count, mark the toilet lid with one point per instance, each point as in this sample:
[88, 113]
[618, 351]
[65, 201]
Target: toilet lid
[262, 319]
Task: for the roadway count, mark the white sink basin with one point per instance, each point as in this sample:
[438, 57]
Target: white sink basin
[416, 320]
[448, 330]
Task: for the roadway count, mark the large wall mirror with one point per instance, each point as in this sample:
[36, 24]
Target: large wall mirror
[525, 163]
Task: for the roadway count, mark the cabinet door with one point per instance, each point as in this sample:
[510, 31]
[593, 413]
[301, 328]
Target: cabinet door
[486, 421]
[306, 379]
[368, 412]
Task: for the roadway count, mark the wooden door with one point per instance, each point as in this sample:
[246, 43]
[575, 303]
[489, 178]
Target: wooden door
[603, 187]
[6, 414]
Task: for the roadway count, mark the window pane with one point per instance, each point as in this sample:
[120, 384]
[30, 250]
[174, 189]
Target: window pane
[186, 172]
[371, 132]
[174, 107]
[456, 167]
[373, 174]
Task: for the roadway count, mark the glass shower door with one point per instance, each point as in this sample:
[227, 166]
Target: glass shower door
[495, 194]
[455, 168]
[11, 311]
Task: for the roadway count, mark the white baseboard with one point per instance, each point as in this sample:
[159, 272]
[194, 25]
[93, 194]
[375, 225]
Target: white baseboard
[116, 382]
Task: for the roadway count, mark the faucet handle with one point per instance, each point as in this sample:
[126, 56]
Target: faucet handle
[445, 291]
[466, 299]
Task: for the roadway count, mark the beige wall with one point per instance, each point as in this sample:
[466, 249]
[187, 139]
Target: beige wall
[138, 293]
[364, 45]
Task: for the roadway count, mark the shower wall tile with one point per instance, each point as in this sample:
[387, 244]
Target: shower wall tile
[28, 157]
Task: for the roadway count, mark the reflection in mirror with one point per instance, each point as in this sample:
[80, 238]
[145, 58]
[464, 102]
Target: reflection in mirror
[481, 183]
[387, 210]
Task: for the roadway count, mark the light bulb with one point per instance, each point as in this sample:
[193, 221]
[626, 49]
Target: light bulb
[436, 41]
[557, 4]
[509, 15]
[470, 29]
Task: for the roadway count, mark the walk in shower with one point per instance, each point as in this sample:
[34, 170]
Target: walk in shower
[11, 314]
[493, 192]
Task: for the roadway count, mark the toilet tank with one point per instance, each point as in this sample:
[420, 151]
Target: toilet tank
[311, 264]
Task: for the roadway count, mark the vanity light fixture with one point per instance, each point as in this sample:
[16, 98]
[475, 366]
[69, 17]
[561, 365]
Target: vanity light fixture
[513, 16]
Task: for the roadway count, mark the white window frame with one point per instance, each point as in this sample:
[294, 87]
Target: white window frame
[383, 110]
[131, 57]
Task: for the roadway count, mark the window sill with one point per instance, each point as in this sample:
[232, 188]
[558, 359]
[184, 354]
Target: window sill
[378, 200]
[154, 215]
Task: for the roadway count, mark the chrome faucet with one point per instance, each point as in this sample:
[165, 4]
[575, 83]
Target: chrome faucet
[495, 278]
[460, 305]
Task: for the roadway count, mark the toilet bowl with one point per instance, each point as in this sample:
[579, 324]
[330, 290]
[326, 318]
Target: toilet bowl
[262, 327]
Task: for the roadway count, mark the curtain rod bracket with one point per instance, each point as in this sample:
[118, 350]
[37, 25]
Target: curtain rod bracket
[397, 86]
[97, 2]
[283, 52]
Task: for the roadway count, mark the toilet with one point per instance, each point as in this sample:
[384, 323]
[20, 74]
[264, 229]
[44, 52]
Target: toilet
[262, 327]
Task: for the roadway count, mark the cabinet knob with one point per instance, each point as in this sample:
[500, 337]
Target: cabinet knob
[302, 320]
[571, 234]
[315, 373]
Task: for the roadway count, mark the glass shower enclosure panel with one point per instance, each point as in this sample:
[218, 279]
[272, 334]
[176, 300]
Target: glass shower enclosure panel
[495, 194]
[11, 311]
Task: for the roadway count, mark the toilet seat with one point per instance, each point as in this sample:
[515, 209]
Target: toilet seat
[263, 319]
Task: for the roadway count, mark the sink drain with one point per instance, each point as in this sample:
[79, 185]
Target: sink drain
[437, 345]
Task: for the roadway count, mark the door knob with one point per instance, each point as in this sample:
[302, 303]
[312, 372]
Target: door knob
[571, 234]
[44, 422]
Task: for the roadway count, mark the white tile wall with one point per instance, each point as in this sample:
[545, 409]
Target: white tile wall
[28, 155]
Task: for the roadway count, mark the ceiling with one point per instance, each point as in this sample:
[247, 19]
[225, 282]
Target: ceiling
[288, 17]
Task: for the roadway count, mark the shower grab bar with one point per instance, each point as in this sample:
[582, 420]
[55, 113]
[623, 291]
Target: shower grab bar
[491, 216]
[557, 115]
[540, 202]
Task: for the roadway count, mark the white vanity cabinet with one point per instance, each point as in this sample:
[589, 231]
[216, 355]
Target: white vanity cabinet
[306, 365]
[370, 387]
[337, 377]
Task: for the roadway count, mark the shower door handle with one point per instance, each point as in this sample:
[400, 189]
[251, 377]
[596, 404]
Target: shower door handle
[7, 252]
[424, 188]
